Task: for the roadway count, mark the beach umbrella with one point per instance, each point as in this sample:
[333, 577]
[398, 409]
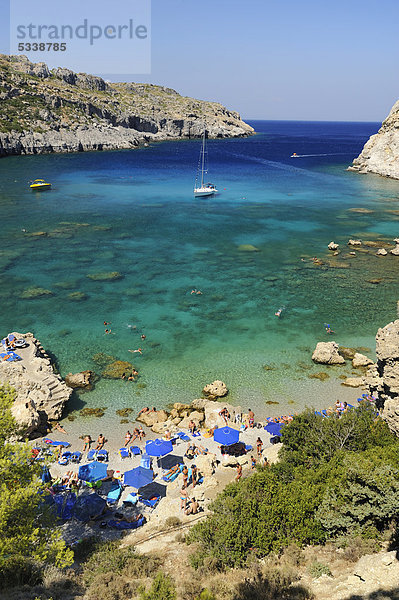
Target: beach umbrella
[158, 447]
[93, 471]
[153, 489]
[88, 505]
[138, 477]
[226, 436]
[170, 461]
[274, 428]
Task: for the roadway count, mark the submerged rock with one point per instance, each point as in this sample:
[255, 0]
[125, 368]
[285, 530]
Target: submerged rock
[78, 296]
[360, 360]
[35, 292]
[333, 246]
[327, 353]
[247, 248]
[353, 382]
[354, 242]
[381, 252]
[106, 276]
[321, 376]
[116, 369]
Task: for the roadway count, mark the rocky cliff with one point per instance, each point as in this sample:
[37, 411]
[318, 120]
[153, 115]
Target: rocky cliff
[382, 378]
[57, 110]
[381, 153]
[41, 394]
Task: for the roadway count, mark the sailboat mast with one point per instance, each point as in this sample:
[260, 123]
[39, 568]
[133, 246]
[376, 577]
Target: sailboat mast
[203, 160]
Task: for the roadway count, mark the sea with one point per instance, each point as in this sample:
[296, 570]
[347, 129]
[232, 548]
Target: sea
[129, 219]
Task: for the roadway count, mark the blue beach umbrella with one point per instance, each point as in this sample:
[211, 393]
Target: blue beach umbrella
[274, 428]
[138, 477]
[93, 471]
[226, 436]
[158, 447]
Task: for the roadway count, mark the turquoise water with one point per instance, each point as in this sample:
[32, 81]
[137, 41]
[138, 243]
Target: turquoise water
[133, 212]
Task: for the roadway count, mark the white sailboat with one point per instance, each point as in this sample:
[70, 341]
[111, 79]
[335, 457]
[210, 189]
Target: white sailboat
[201, 188]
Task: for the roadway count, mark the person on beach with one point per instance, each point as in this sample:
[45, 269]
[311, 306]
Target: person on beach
[58, 427]
[168, 435]
[193, 507]
[183, 498]
[128, 437]
[144, 410]
[224, 413]
[192, 427]
[251, 418]
[100, 442]
[185, 476]
[239, 473]
[141, 433]
[136, 434]
[259, 445]
[194, 475]
[253, 462]
[86, 443]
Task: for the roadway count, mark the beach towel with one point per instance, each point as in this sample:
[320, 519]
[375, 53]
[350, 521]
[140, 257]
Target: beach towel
[114, 493]
[196, 434]
[125, 525]
[9, 356]
[184, 437]
[54, 443]
[174, 475]
[131, 499]
[65, 458]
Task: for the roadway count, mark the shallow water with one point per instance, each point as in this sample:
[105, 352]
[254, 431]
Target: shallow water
[133, 212]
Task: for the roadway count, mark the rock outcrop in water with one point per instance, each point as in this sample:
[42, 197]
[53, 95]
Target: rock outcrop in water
[61, 111]
[381, 153]
[41, 394]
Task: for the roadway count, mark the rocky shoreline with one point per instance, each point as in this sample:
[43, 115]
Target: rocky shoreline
[61, 111]
[380, 154]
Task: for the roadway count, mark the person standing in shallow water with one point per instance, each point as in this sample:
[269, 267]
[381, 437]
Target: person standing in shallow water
[251, 418]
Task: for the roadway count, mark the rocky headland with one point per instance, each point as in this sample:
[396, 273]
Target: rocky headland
[41, 394]
[58, 110]
[380, 154]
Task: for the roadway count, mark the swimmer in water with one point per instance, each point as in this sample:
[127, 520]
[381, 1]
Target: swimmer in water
[138, 350]
[328, 328]
[278, 313]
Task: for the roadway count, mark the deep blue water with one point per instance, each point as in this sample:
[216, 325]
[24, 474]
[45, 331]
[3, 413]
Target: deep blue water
[134, 212]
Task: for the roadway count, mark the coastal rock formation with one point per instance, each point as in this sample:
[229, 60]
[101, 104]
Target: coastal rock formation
[216, 389]
[82, 380]
[354, 242]
[360, 360]
[151, 418]
[58, 110]
[40, 393]
[381, 252]
[383, 378]
[326, 353]
[381, 152]
[353, 382]
[212, 409]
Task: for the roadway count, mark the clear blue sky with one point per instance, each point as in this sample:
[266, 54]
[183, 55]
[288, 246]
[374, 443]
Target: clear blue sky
[279, 59]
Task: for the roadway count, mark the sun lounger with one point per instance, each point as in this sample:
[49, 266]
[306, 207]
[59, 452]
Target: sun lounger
[65, 458]
[131, 499]
[196, 434]
[135, 450]
[248, 447]
[146, 461]
[125, 525]
[102, 455]
[317, 413]
[114, 493]
[183, 436]
[92, 454]
[123, 453]
[151, 502]
[76, 456]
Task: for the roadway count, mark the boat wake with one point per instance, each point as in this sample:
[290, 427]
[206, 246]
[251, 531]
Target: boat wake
[326, 154]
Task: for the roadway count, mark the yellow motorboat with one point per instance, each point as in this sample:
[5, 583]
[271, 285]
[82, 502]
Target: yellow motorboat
[40, 184]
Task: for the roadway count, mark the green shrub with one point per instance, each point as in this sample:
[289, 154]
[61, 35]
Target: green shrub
[162, 588]
[172, 522]
[317, 569]
[19, 570]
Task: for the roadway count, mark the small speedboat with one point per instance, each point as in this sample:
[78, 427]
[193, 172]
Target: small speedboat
[40, 184]
[294, 155]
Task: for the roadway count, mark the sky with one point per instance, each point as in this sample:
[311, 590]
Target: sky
[271, 59]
